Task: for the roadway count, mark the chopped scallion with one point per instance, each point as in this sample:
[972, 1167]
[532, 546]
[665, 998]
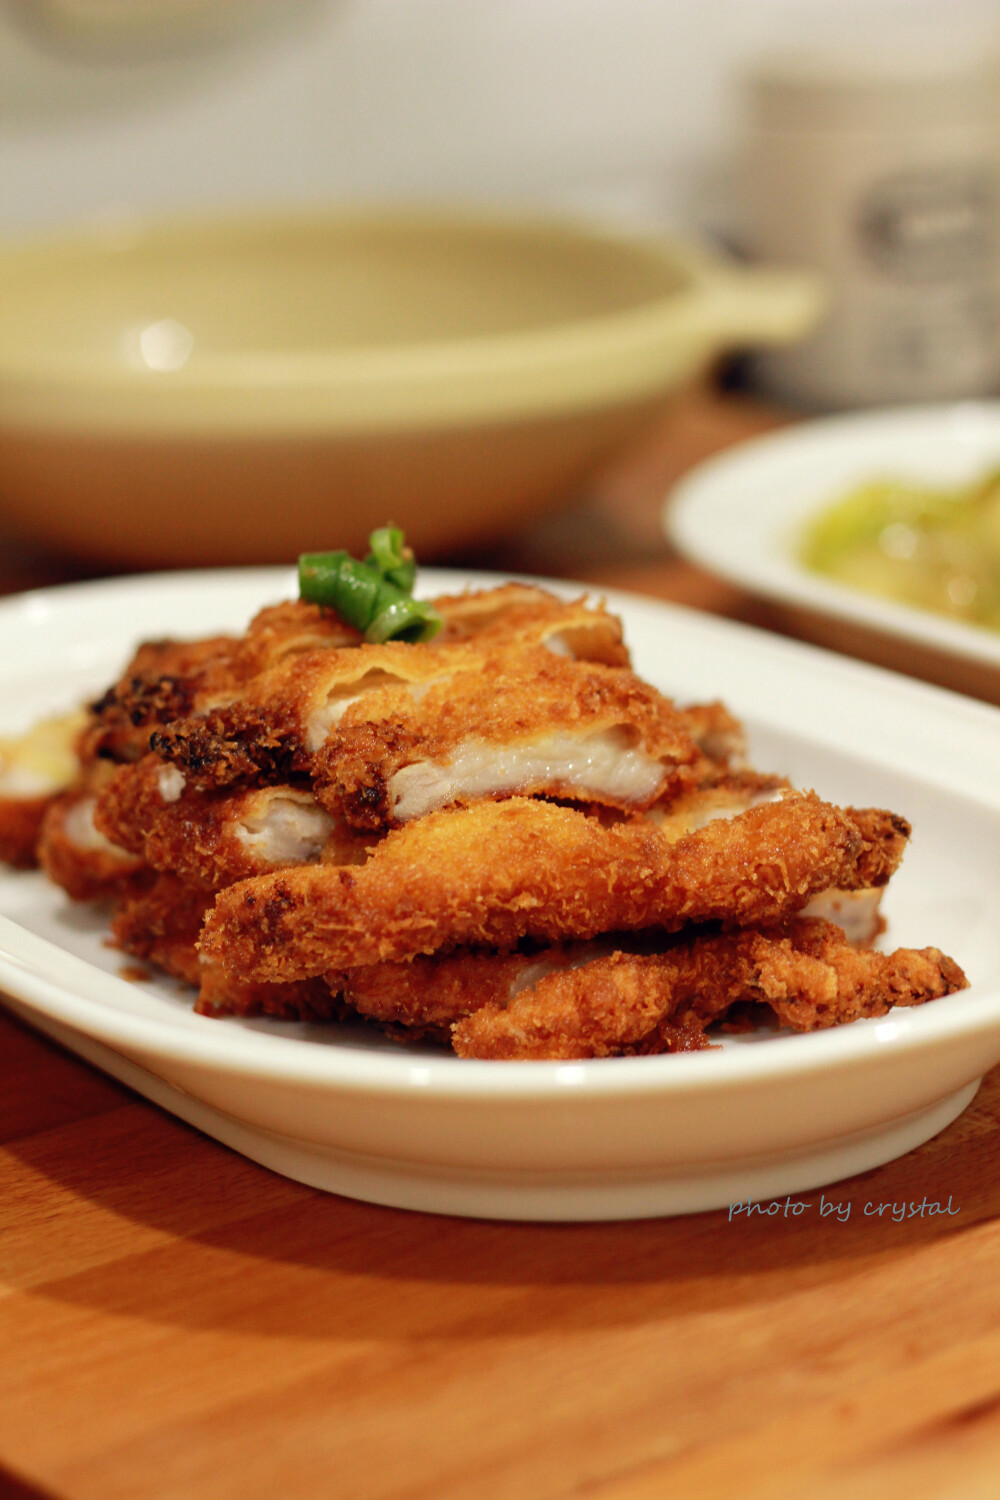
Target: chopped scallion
[375, 596]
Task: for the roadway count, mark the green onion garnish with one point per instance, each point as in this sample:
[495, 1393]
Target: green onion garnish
[375, 596]
[392, 557]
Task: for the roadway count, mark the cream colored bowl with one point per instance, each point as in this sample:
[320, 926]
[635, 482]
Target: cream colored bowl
[238, 391]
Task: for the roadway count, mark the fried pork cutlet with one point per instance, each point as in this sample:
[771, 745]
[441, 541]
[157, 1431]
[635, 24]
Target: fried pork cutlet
[158, 920]
[493, 873]
[285, 714]
[161, 682]
[522, 722]
[174, 680]
[388, 733]
[618, 996]
[518, 614]
[724, 794]
[353, 793]
[627, 1003]
[217, 838]
[76, 855]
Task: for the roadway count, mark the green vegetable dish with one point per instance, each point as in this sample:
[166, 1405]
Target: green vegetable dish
[376, 595]
[937, 548]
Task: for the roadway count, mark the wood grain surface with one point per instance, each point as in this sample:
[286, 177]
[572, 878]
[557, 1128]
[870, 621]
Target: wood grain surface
[178, 1322]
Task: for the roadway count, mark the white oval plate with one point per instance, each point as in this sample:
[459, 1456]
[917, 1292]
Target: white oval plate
[740, 515]
[346, 1110]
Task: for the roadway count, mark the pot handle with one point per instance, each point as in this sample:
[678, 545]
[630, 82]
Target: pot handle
[755, 304]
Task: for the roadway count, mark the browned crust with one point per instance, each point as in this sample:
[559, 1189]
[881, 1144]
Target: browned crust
[20, 826]
[429, 994]
[85, 874]
[220, 995]
[507, 700]
[885, 836]
[159, 919]
[808, 974]
[196, 836]
[493, 873]
[161, 681]
[517, 614]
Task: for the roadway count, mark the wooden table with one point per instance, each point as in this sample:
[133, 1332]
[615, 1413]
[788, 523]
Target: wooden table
[177, 1322]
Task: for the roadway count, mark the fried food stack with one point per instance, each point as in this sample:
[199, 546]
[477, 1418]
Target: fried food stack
[502, 839]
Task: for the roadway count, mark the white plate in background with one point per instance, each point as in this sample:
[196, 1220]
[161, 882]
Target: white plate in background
[740, 515]
[349, 1111]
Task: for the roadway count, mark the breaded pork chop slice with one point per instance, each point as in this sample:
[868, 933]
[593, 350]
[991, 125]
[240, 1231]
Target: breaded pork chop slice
[171, 679]
[518, 615]
[275, 727]
[635, 994]
[75, 853]
[722, 793]
[806, 973]
[216, 838]
[158, 920]
[495, 872]
[521, 722]
[279, 719]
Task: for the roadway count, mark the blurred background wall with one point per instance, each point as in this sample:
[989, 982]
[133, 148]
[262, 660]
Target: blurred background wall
[624, 107]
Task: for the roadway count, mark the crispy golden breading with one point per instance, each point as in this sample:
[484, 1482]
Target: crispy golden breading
[493, 873]
[217, 838]
[522, 722]
[426, 995]
[76, 855]
[161, 681]
[287, 629]
[283, 716]
[807, 973]
[172, 680]
[158, 920]
[20, 826]
[220, 994]
[813, 978]
[609, 1007]
[518, 615]
[884, 837]
[716, 793]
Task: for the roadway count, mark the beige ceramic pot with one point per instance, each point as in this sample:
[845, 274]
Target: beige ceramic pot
[237, 391]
